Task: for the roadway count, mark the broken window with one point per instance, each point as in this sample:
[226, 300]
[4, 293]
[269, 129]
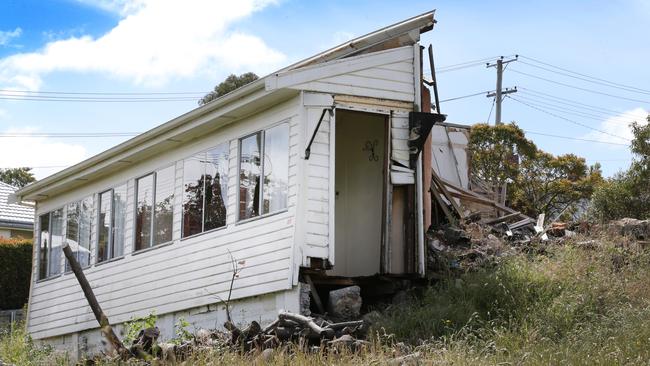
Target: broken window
[205, 190]
[154, 208]
[263, 182]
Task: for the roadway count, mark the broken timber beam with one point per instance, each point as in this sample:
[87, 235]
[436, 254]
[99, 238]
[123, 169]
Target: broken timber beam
[314, 294]
[503, 218]
[104, 324]
[446, 192]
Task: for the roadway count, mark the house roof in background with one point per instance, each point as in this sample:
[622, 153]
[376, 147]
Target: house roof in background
[14, 214]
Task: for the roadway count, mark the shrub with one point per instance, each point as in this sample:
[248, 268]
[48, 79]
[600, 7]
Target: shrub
[15, 272]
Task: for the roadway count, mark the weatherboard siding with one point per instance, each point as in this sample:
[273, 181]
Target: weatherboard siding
[186, 273]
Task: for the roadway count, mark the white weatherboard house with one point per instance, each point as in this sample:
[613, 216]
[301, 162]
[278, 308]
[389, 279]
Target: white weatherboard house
[317, 168]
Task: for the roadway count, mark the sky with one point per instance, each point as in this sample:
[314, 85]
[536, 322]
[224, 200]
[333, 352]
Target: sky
[581, 75]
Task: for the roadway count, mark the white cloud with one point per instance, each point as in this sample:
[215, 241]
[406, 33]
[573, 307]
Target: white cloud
[619, 126]
[7, 36]
[154, 42]
[35, 151]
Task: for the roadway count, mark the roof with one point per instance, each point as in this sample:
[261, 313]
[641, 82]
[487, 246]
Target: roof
[14, 215]
[221, 111]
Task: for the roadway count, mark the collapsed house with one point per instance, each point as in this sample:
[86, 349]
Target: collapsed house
[312, 178]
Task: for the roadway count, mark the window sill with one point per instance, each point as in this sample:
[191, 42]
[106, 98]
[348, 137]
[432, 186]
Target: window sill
[49, 278]
[245, 221]
[204, 233]
[115, 259]
[140, 251]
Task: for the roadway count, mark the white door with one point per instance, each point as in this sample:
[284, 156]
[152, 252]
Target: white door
[360, 157]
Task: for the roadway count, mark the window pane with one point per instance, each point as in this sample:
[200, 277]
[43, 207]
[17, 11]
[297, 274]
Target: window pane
[276, 168]
[216, 187]
[193, 188]
[85, 227]
[56, 242]
[119, 220]
[144, 204]
[103, 227]
[249, 177]
[44, 239]
[72, 230]
[164, 209]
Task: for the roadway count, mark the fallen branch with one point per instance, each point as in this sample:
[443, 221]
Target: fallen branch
[104, 324]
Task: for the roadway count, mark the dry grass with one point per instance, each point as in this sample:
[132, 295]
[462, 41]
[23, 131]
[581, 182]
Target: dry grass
[558, 304]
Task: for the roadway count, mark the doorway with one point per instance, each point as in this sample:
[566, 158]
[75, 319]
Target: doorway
[360, 184]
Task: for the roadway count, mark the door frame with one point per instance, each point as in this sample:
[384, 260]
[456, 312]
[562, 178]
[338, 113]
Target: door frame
[386, 186]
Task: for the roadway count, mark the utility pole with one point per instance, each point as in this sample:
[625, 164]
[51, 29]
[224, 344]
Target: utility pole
[498, 93]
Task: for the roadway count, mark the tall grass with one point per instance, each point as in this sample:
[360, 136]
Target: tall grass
[569, 304]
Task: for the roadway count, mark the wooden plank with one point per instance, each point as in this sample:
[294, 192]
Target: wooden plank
[314, 294]
[502, 218]
[444, 191]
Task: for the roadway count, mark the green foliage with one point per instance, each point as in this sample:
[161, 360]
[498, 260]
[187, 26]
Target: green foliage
[568, 305]
[135, 325]
[627, 194]
[181, 332]
[494, 149]
[17, 348]
[15, 271]
[17, 177]
[538, 182]
[231, 83]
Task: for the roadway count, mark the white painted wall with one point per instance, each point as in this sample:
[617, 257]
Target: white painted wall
[447, 150]
[188, 272]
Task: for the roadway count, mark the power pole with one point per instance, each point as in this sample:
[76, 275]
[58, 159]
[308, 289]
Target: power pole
[498, 93]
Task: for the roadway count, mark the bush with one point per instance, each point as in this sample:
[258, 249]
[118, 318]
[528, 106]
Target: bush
[15, 272]
[625, 195]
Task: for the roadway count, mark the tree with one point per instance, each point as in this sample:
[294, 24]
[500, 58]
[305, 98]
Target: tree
[553, 185]
[495, 151]
[627, 194]
[538, 182]
[231, 83]
[17, 177]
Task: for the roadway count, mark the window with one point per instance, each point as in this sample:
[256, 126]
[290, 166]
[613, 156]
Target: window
[205, 190]
[78, 230]
[154, 208]
[112, 212]
[50, 240]
[263, 182]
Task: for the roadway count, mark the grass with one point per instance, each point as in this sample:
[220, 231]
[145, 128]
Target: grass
[566, 304]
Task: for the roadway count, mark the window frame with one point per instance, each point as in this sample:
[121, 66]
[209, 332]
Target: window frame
[49, 245]
[261, 214]
[203, 203]
[154, 180]
[90, 241]
[109, 247]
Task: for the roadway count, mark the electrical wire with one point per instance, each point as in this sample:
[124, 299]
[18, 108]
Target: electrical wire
[585, 75]
[574, 138]
[569, 102]
[597, 117]
[464, 96]
[580, 88]
[68, 134]
[566, 119]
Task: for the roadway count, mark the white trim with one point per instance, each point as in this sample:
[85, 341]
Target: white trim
[331, 245]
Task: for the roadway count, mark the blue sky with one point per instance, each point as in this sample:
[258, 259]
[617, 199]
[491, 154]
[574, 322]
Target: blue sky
[144, 46]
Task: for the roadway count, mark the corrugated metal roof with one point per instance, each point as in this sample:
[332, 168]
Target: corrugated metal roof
[13, 213]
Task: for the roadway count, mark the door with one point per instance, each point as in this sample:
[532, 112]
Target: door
[359, 204]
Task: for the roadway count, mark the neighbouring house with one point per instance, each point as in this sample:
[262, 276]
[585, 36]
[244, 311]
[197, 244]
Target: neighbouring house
[315, 176]
[16, 220]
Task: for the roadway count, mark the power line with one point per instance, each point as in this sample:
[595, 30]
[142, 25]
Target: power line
[566, 119]
[574, 138]
[465, 96]
[100, 100]
[570, 102]
[587, 76]
[580, 88]
[69, 134]
[597, 117]
[96, 93]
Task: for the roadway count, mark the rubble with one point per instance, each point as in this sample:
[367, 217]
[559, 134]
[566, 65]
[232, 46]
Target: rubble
[634, 228]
